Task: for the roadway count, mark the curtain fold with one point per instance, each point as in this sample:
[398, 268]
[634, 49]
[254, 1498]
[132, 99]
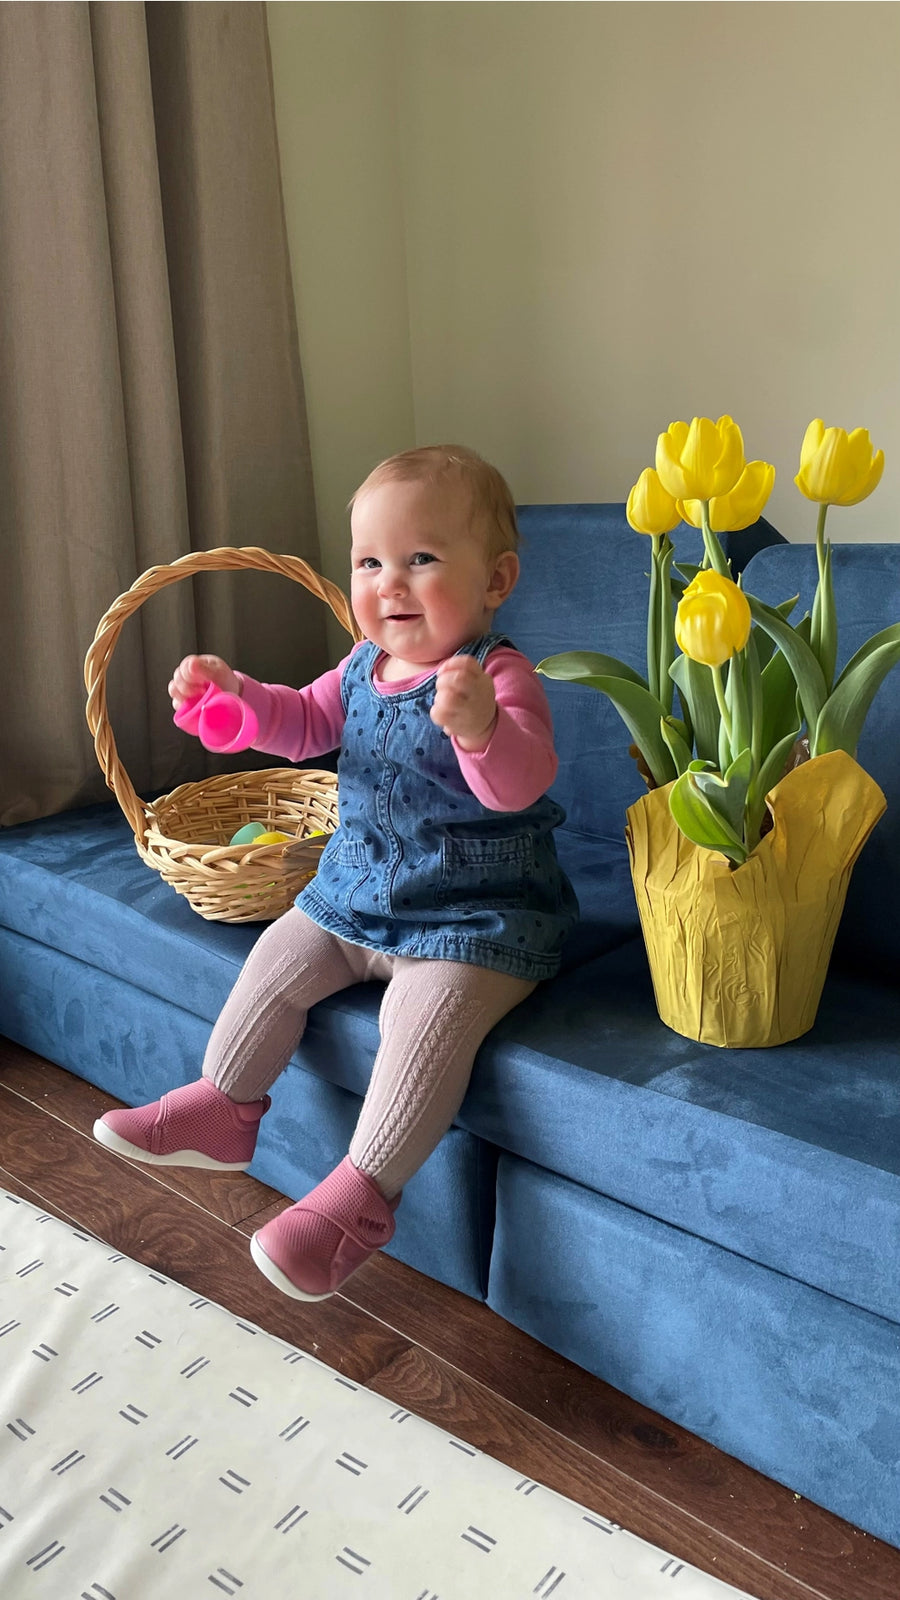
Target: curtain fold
[151, 399]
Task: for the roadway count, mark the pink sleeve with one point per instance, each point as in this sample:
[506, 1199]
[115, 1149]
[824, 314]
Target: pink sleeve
[298, 723]
[519, 762]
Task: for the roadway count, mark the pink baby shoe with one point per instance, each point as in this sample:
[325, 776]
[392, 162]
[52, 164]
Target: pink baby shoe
[312, 1248]
[195, 1126]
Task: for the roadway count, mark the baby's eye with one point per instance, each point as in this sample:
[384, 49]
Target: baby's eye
[368, 564]
[422, 558]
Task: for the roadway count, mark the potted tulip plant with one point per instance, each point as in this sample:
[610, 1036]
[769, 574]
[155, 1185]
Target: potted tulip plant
[742, 849]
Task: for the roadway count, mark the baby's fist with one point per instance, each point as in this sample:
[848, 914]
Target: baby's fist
[192, 675]
[464, 703]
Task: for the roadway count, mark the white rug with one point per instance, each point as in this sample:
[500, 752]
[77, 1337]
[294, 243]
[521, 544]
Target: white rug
[152, 1445]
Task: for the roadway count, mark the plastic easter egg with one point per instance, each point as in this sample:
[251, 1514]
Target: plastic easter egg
[248, 834]
[272, 838]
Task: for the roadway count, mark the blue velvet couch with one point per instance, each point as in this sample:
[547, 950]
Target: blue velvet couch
[714, 1232]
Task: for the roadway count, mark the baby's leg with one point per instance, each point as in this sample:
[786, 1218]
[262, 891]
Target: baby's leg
[291, 966]
[434, 1016]
[214, 1121]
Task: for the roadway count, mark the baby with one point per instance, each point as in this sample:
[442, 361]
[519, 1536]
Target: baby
[442, 880]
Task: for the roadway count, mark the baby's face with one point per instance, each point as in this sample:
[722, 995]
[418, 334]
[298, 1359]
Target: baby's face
[422, 582]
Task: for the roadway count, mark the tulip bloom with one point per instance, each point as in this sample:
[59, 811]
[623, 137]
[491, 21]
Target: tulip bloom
[738, 509]
[713, 619]
[838, 469]
[700, 461]
[650, 509]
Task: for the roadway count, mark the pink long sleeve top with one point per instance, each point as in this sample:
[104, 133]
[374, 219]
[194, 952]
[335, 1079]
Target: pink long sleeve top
[517, 765]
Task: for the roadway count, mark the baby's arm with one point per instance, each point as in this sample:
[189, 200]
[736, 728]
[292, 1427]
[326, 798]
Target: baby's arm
[518, 764]
[297, 723]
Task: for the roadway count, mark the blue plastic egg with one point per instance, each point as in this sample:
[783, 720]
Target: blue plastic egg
[247, 834]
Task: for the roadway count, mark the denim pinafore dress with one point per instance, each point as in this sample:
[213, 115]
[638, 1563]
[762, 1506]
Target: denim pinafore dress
[418, 866]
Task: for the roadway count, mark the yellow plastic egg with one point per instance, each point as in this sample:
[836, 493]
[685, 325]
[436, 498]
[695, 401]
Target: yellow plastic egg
[272, 838]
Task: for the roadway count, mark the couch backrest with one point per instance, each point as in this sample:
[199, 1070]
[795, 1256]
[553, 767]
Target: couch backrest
[867, 593]
[584, 587]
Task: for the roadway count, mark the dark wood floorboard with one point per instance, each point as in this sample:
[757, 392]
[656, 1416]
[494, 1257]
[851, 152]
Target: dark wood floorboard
[440, 1354]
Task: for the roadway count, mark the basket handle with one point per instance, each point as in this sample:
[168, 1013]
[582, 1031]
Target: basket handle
[109, 627]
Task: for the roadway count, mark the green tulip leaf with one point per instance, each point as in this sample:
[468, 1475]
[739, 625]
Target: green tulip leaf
[698, 699]
[738, 701]
[586, 666]
[688, 571]
[779, 697]
[640, 711]
[753, 681]
[728, 795]
[770, 773]
[886, 636]
[772, 769]
[808, 675]
[699, 822]
[844, 713]
[674, 733]
[765, 645]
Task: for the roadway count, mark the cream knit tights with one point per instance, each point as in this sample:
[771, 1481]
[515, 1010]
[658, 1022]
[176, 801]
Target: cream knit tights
[433, 1017]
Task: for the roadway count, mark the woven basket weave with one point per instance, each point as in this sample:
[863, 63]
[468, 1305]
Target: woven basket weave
[184, 835]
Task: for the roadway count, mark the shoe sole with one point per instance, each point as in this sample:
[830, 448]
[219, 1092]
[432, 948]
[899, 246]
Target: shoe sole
[179, 1158]
[280, 1279]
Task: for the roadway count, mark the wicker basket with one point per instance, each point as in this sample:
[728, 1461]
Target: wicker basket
[184, 835]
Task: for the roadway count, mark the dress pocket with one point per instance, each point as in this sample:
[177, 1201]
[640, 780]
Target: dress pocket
[486, 871]
[348, 852]
[347, 869]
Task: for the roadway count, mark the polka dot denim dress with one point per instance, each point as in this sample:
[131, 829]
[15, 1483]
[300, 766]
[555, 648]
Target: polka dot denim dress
[418, 866]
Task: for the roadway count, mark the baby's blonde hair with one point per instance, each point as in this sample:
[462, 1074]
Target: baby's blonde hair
[453, 467]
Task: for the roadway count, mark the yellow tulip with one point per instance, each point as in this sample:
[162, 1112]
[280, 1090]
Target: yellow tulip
[700, 461]
[650, 509]
[838, 469]
[713, 619]
[730, 512]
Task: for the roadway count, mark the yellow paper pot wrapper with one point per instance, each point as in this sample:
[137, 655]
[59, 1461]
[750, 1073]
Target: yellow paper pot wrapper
[739, 956]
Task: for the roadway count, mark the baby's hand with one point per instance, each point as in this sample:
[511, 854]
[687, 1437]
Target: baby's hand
[465, 704]
[193, 674]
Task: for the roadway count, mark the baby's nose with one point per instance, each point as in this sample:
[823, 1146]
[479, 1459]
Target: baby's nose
[393, 580]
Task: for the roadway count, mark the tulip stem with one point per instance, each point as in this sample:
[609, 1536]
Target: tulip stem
[724, 712]
[820, 540]
[653, 621]
[823, 629]
[739, 700]
[715, 555]
[666, 625]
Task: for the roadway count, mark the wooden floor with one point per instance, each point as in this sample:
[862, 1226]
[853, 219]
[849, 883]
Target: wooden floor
[439, 1354]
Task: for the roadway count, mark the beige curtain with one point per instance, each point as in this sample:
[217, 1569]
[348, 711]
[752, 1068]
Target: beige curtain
[151, 400]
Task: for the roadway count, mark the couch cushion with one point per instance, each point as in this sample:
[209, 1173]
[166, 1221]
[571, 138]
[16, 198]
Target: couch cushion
[796, 1383]
[867, 592]
[788, 1156]
[75, 882]
[136, 1045]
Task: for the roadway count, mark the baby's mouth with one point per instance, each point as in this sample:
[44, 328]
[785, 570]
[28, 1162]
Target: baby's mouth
[402, 616]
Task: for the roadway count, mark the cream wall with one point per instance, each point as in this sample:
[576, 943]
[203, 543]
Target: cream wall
[547, 230]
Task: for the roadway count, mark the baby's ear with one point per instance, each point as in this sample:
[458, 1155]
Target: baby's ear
[504, 577]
